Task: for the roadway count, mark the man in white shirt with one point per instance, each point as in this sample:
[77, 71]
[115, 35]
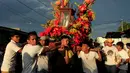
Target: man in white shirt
[42, 62]
[89, 59]
[29, 54]
[122, 58]
[110, 52]
[8, 65]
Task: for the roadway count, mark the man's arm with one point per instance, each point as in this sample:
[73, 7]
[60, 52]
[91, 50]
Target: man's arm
[19, 51]
[99, 55]
[44, 50]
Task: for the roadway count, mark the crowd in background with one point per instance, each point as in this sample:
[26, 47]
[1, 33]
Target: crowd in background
[46, 55]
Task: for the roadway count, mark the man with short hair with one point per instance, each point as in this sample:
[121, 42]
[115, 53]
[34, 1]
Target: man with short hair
[8, 65]
[122, 58]
[89, 58]
[59, 60]
[42, 62]
[29, 54]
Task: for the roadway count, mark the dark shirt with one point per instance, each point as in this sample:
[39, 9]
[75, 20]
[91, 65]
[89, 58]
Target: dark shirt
[76, 64]
[57, 63]
[128, 68]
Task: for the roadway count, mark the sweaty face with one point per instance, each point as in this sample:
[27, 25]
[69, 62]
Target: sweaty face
[78, 48]
[42, 42]
[109, 44]
[85, 47]
[32, 40]
[118, 47]
[16, 38]
[65, 41]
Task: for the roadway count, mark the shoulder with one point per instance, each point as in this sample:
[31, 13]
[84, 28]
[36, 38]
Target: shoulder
[37, 46]
[113, 47]
[26, 46]
[81, 53]
[93, 52]
[123, 51]
[11, 44]
[104, 48]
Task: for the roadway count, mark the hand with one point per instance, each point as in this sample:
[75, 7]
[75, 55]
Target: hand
[127, 60]
[46, 48]
[95, 49]
[66, 57]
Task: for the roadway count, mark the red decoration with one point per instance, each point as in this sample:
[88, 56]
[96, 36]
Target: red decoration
[79, 29]
[83, 7]
[57, 2]
[56, 22]
[88, 1]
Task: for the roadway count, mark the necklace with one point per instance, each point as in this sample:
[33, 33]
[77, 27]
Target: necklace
[86, 56]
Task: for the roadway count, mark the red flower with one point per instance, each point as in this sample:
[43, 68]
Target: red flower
[83, 7]
[88, 1]
[41, 34]
[57, 15]
[56, 22]
[78, 20]
[90, 13]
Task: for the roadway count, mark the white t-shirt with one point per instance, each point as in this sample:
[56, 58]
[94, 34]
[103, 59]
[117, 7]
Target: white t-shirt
[123, 55]
[9, 56]
[89, 61]
[29, 58]
[111, 53]
[42, 62]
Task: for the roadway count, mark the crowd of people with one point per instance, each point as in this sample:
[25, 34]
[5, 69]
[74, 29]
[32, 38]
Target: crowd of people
[46, 55]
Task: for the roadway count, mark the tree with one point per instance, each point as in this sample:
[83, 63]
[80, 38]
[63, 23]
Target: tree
[124, 26]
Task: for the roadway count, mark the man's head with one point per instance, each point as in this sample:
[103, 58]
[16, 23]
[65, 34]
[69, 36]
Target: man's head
[65, 40]
[52, 43]
[85, 46]
[15, 36]
[78, 47]
[44, 40]
[32, 38]
[109, 42]
[120, 45]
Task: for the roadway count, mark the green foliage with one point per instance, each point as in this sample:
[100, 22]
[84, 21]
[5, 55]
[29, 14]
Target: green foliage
[124, 26]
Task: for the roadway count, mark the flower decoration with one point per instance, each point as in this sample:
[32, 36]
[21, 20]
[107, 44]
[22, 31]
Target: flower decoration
[82, 7]
[79, 29]
[55, 32]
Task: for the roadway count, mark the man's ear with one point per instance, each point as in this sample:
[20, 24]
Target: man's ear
[27, 41]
